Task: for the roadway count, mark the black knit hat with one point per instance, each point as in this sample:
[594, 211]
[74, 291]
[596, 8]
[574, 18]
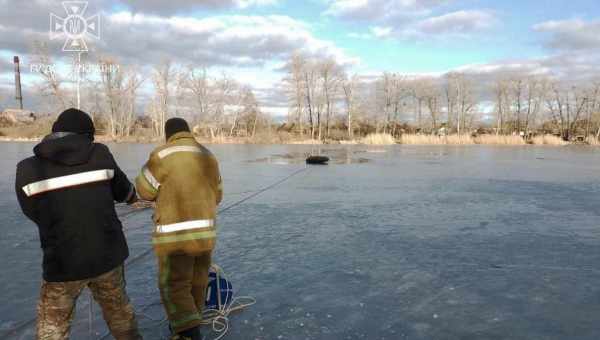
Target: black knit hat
[73, 120]
[175, 125]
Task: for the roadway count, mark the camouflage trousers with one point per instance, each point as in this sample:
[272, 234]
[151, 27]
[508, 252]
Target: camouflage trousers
[182, 283]
[56, 306]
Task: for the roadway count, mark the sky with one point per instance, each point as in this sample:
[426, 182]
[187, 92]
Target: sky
[252, 39]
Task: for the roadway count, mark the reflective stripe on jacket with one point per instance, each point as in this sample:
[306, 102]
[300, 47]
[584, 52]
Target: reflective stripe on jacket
[62, 182]
[183, 178]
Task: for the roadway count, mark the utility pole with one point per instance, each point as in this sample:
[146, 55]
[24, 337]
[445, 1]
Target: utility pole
[79, 81]
[19, 95]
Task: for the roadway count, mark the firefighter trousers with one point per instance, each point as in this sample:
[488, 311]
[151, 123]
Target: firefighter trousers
[182, 283]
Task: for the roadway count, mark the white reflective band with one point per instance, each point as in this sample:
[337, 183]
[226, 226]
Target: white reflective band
[182, 148]
[197, 224]
[150, 178]
[68, 181]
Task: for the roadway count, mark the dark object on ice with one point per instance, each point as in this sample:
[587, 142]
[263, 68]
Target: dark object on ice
[317, 160]
[189, 334]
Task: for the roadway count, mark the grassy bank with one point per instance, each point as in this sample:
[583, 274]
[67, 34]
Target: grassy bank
[481, 139]
[35, 132]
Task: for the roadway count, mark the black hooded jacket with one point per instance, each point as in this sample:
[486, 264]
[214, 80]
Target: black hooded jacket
[68, 189]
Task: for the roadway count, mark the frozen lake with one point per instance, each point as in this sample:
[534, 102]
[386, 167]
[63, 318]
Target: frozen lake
[401, 242]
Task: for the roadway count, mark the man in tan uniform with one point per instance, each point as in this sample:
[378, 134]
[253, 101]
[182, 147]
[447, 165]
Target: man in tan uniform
[182, 177]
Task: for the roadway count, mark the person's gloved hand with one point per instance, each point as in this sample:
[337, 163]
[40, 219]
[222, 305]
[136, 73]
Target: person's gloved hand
[140, 204]
[133, 199]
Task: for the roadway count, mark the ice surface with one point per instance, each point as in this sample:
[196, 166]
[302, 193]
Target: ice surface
[424, 243]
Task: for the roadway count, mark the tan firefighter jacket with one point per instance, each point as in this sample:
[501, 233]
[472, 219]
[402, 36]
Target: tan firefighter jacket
[183, 178]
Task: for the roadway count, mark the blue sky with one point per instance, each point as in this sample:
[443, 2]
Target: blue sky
[252, 39]
[511, 35]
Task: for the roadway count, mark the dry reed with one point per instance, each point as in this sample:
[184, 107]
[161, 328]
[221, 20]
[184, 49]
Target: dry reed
[500, 140]
[378, 139]
[548, 140]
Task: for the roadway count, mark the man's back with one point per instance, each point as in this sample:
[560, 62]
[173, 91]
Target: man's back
[68, 189]
[189, 187]
[183, 177]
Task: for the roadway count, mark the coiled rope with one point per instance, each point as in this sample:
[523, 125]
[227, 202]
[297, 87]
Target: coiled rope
[219, 318]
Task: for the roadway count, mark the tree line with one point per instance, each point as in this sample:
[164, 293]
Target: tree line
[124, 99]
[325, 101]
[322, 96]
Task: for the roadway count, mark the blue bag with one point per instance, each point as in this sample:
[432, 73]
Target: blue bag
[219, 292]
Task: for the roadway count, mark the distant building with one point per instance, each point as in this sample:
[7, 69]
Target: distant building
[17, 116]
[443, 131]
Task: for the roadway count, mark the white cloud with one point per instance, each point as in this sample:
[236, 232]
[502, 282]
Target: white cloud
[257, 3]
[412, 19]
[245, 47]
[363, 36]
[173, 7]
[570, 67]
[460, 22]
[276, 111]
[219, 40]
[381, 32]
[380, 10]
[568, 35]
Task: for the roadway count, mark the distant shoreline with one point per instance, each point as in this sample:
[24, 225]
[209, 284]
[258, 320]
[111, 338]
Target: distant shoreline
[377, 139]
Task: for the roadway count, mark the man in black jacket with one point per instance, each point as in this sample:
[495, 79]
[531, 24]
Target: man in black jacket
[68, 189]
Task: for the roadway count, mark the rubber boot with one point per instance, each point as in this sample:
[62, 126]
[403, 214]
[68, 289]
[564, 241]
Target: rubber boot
[188, 334]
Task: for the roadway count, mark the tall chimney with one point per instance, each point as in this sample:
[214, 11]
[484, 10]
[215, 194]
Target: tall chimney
[19, 97]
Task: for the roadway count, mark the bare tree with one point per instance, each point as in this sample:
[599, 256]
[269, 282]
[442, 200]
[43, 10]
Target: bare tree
[461, 101]
[199, 84]
[250, 110]
[566, 106]
[500, 96]
[310, 84]
[223, 94]
[350, 88]
[391, 92]
[296, 88]
[593, 107]
[161, 78]
[432, 96]
[536, 91]
[331, 77]
[119, 88]
[52, 85]
[419, 92]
